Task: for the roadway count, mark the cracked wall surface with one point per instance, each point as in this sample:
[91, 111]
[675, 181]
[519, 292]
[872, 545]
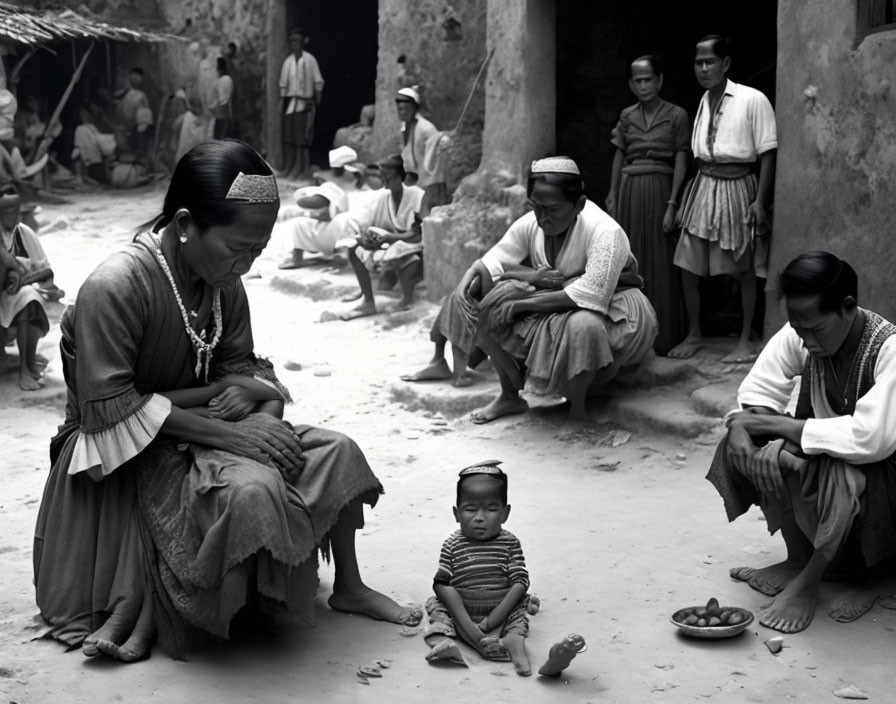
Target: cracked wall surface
[837, 145]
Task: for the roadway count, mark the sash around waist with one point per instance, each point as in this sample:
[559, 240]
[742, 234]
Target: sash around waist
[727, 171]
[646, 166]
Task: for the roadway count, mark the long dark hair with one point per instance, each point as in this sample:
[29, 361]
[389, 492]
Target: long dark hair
[822, 274]
[203, 177]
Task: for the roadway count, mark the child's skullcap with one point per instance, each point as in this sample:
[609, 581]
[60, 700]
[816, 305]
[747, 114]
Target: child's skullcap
[486, 467]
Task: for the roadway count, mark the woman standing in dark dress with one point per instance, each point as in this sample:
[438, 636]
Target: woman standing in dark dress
[652, 141]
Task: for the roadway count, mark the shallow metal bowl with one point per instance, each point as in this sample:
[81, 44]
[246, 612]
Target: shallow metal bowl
[726, 631]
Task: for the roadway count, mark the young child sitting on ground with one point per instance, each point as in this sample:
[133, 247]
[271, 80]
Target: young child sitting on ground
[482, 583]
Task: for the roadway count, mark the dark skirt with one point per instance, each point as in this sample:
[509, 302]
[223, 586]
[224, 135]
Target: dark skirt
[640, 209]
[202, 529]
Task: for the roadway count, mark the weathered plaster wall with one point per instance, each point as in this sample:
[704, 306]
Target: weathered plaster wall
[521, 86]
[519, 126]
[837, 146]
[445, 70]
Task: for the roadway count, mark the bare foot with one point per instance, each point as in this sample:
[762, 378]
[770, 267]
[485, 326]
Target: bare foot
[501, 406]
[27, 382]
[435, 371]
[742, 354]
[769, 580]
[446, 650]
[352, 297]
[361, 311]
[133, 650]
[561, 654]
[687, 348]
[291, 263]
[375, 605]
[793, 609]
[114, 629]
[516, 647]
[462, 380]
[493, 648]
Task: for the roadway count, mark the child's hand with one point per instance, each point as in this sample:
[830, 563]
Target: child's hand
[233, 404]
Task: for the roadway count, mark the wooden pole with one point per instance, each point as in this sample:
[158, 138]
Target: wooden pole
[44, 145]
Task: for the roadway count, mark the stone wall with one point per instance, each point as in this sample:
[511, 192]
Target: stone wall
[519, 126]
[444, 69]
[837, 146]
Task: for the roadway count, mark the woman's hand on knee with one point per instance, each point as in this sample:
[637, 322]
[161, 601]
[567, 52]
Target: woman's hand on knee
[268, 440]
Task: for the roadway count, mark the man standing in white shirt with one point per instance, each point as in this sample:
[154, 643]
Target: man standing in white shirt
[724, 215]
[301, 86]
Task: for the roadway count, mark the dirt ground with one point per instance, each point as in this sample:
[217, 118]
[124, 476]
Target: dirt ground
[619, 531]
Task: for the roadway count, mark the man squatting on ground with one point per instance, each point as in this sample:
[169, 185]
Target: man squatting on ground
[481, 586]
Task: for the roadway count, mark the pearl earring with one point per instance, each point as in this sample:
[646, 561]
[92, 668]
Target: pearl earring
[183, 239]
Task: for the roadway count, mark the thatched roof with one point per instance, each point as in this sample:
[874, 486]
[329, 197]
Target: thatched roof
[34, 27]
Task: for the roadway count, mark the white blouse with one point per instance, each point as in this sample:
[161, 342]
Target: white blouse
[868, 435]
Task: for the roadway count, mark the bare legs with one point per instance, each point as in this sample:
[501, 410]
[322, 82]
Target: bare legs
[508, 401]
[689, 346]
[368, 305]
[743, 352]
[438, 369]
[408, 277]
[350, 594]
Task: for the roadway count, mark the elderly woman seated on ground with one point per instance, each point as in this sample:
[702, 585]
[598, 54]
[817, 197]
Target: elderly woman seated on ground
[22, 264]
[826, 476]
[556, 303]
[388, 233]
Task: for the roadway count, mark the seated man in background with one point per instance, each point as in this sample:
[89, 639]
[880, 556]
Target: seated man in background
[389, 232]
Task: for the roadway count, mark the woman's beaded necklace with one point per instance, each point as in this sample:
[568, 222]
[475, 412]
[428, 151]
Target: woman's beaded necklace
[204, 350]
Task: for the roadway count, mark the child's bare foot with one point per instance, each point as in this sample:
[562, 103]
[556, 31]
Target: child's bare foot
[516, 647]
[446, 650]
[375, 605]
[492, 648]
[561, 654]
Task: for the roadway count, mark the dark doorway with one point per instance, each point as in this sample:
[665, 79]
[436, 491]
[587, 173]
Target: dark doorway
[343, 38]
[598, 39]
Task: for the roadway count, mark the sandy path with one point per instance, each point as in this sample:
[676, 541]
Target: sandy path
[616, 539]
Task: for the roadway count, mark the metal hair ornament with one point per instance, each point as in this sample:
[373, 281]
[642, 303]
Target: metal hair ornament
[555, 165]
[254, 188]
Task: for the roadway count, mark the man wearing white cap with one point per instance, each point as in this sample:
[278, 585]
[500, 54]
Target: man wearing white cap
[416, 131]
[320, 216]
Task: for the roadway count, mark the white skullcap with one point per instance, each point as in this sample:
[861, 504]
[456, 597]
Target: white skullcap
[341, 156]
[410, 93]
[555, 165]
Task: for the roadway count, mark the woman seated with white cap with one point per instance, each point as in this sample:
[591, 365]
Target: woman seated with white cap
[556, 303]
[319, 218]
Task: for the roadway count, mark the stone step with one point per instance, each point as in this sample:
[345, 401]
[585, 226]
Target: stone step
[664, 410]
